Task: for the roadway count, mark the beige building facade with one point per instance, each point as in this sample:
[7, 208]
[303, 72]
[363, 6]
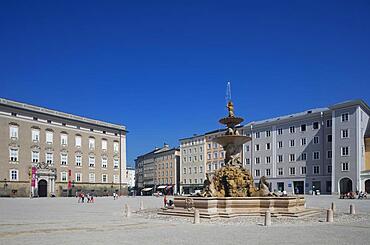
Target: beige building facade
[49, 153]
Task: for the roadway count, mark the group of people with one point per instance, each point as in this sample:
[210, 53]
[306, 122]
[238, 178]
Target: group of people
[362, 195]
[89, 198]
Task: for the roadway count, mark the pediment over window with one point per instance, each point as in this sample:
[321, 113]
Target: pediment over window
[49, 149]
[14, 144]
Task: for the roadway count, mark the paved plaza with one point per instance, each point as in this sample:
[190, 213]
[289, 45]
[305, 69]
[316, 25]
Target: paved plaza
[64, 221]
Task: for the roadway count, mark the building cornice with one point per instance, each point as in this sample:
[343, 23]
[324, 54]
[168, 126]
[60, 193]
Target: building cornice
[62, 115]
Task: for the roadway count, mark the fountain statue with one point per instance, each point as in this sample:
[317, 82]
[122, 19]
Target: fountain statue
[233, 180]
[230, 190]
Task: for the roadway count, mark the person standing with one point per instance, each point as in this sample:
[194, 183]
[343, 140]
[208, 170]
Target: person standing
[165, 200]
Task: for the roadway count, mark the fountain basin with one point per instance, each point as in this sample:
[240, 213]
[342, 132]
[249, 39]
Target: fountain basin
[238, 140]
[228, 207]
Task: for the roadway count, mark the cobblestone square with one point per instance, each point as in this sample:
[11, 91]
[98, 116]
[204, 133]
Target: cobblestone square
[65, 221]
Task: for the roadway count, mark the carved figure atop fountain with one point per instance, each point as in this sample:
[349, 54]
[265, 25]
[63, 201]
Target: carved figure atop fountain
[232, 180]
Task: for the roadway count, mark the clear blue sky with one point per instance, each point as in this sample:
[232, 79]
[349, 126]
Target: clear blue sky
[159, 67]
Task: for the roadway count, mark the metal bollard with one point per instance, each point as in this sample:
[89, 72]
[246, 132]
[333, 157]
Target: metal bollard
[127, 211]
[329, 215]
[141, 205]
[196, 217]
[267, 218]
[333, 207]
[352, 209]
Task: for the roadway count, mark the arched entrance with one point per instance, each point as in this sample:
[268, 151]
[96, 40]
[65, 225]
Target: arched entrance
[345, 185]
[367, 186]
[42, 187]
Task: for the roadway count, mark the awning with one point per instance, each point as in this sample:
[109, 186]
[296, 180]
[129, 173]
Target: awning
[161, 187]
[147, 189]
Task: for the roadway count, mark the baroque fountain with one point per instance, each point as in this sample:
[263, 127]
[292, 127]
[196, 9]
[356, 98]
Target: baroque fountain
[230, 191]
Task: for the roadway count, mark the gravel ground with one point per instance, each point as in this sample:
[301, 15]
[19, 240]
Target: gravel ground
[64, 221]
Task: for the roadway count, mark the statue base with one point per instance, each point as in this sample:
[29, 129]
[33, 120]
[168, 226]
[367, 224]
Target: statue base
[228, 207]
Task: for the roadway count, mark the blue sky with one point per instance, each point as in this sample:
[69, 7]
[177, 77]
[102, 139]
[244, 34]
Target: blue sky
[159, 67]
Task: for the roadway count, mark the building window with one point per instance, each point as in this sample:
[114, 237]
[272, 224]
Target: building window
[330, 138]
[49, 158]
[13, 155]
[64, 139]
[49, 137]
[78, 177]
[257, 172]
[195, 170]
[78, 161]
[216, 166]
[91, 177]
[344, 117]
[13, 131]
[247, 161]
[292, 129]
[104, 145]
[280, 144]
[78, 141]
[329, 169]
[280, 171]
[268, 146]
[345, 166]
[209, 156]
[257, 135]
[268, 133]
[280, 158]
[291, 157]
[292, 171]
[35, 135]
[63, 159]
[35, 156]
[209, 146]
[303, 141]
[189, 170]
[189, 159]
[316, 169]
[280, 131]
[291, 143]
[91, 143]
[316, 155]
[303, 170]
[329, 154]
[201, 157]
[104, 178]
[184, 172]
[247, 148]
[344, 133]
[115, 179]
[268, 159]
[257, 160]
[115, 163]
[104, 162]
[184, 181]
[304, 156]
[189, 181]
[209, 167]
[345, 151]
[91, 162]
[257, 147]
[115, 146]
[184, 152]
[200, 169]
[268, 172]
[316, 139]
[315, 125]
[328, 123]
[13, 175]
[63, 176]
[200, 149]
[303, 127]
[215, 155]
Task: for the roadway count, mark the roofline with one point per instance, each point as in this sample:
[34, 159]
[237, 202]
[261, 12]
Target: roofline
[356, 102]
[194, 136]
[43, 110]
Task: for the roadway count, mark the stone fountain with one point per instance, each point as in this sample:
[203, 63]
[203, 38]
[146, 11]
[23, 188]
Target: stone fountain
[231, 191]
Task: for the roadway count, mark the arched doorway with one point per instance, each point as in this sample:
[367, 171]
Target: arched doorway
[345, 185]
[42, 188]
[367, 186]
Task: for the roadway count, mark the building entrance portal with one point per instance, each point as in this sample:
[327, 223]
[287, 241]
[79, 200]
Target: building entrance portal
[42, 188]
[367, 186]
[345, 185]
[298, 187]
